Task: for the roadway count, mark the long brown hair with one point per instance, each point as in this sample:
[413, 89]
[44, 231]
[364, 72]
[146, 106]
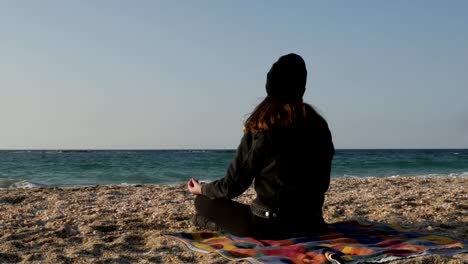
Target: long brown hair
[271, 114]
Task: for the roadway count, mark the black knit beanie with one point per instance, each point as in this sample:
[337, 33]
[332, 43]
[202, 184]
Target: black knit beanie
[287, 78]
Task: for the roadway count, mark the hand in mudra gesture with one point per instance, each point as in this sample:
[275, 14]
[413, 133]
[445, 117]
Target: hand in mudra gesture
[194, 187]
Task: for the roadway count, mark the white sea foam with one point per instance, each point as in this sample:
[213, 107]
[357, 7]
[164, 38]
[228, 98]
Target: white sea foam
[449, 175]
[429, 175]
[351, 176]
[25, 185]
[126, 184]
[461, 175]
[18, 184]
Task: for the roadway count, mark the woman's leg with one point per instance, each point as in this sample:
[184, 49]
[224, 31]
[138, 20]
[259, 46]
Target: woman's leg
[229, 215]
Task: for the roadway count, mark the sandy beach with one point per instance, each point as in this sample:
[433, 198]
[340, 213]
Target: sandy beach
[122, 224]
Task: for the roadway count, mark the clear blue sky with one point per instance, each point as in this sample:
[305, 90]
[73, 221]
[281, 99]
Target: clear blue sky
[184, 74]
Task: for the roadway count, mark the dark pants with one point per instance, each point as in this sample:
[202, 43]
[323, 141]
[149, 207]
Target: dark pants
[236, 218]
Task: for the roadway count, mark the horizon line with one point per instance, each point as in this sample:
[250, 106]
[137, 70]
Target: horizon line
[174, 149]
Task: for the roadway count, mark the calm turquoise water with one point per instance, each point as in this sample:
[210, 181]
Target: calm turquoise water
[65, 168]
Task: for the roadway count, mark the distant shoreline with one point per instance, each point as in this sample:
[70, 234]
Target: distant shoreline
[214, 149]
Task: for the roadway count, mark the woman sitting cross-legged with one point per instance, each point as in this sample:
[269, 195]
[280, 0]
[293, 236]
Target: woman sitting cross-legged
[287, 151]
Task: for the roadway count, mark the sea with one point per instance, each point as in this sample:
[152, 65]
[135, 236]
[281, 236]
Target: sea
[68, 168]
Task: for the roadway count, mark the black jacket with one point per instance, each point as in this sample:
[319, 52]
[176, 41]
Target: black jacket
[291, 168]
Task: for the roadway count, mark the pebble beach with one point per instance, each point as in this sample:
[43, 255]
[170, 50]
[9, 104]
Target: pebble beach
[123, 224]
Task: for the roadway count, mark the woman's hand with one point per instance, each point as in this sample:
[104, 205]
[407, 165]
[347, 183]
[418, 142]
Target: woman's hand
[194, 187]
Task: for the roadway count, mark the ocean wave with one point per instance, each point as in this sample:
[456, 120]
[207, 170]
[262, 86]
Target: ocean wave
[461, 175]
[429, 175]
[442, 175]
[25, 184]
[353, 176]
[18, 184]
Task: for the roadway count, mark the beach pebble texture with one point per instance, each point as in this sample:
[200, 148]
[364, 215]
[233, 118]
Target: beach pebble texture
[123, 224]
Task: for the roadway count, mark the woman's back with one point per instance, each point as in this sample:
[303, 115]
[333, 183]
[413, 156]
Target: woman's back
[295, 171]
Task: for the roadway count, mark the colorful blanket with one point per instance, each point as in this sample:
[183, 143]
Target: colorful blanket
[353, 242]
